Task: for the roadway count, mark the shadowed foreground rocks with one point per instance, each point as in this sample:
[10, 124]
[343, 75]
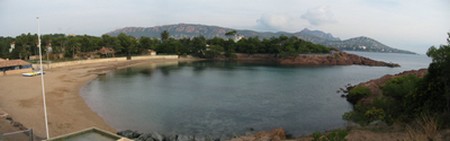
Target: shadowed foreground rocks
[274, 135]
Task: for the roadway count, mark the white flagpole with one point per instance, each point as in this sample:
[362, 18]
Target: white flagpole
[42, 80]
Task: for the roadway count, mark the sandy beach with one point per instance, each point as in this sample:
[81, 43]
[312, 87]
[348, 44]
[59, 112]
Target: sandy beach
[21, 97]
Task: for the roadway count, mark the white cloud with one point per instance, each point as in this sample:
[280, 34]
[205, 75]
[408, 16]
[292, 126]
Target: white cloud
[319, 16]
[272, 22]
[280, 22]
[389, 21]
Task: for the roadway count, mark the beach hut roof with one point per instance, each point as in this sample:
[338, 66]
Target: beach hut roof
[11, 63]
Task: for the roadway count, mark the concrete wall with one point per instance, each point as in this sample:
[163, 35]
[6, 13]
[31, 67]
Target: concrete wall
[12, 72]
[116, 59]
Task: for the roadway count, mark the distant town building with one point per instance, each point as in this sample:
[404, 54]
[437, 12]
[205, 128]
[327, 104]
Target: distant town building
[12, 46]
[362, 47]
[49, 48]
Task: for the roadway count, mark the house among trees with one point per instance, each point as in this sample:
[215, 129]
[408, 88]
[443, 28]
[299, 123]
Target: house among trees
[237, 38]
[106, 52]
[151, 52]
[8, 67]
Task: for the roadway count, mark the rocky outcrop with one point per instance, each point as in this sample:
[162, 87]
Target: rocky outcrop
[334, 58]
[274, 135]
[256, 57]
[375, 84]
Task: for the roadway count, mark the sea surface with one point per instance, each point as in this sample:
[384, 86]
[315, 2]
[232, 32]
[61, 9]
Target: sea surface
[229, 98]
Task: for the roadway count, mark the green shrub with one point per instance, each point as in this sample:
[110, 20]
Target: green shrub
[389, 106]
[374, 114]
[357, 115]
[436, 87]
[400, 87]
[394, 105]
[357, 93]
[336, 135]
[400, 101]
[317, 136]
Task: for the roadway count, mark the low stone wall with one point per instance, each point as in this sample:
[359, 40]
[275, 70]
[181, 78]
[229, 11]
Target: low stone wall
[116, 59]
[13, 72]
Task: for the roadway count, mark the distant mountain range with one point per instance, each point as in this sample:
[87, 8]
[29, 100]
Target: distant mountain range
[316, 36]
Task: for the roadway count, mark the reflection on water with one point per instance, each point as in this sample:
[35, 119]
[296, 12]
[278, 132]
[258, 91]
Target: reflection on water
[226, 98]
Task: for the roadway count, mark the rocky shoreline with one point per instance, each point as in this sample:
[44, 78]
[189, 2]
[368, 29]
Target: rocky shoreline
[274, 135]
[334, 58]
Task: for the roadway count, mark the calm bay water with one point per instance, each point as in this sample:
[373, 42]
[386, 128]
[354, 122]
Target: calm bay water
[227, 98]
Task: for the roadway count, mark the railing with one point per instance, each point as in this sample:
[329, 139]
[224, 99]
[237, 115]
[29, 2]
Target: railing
[24, 135]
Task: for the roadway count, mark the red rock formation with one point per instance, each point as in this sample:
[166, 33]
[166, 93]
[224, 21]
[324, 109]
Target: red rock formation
[256, 57]
[335, 58]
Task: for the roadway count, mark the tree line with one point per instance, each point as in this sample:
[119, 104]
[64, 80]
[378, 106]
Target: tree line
[25, 45]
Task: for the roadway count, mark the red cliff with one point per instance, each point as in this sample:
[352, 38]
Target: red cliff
[335, 58]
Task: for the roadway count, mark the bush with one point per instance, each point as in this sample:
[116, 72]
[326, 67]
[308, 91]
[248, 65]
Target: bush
[358, 115]
[357, 93]
[400, 102]
[400, 87]
[337, 135]
[374, 114]
[394, 105]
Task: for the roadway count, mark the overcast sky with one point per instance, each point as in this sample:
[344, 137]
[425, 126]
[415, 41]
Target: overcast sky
[406, 24]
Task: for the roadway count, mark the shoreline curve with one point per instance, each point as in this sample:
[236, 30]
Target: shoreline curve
[21, 98]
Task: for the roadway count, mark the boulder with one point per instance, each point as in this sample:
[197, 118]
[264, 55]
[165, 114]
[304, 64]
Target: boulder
[129, 134]
[172, 138]
[185, 138]
[158, 137]
[145, 137]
